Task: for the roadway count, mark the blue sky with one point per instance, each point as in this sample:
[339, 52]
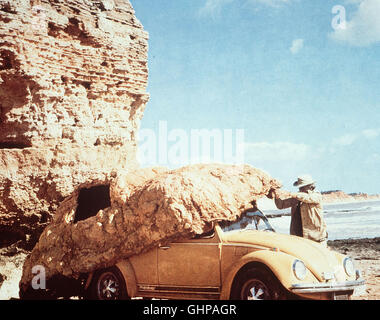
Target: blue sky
[305, 91]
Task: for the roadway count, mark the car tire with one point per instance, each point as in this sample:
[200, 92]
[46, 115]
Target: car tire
[107, 284]
[256, 284]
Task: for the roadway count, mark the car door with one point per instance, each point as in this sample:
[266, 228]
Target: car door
[145, 268]
[193, 263]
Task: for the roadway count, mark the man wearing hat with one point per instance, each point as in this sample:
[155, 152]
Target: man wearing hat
[307, 211]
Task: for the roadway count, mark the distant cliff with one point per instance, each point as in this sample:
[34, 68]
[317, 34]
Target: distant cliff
[340, 196]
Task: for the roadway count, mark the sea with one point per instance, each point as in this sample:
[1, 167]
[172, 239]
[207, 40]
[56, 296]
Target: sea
[354, 220]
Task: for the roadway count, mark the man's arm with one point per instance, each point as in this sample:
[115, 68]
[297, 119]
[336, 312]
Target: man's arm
[312, 198]
[286, 203]
[282, 203]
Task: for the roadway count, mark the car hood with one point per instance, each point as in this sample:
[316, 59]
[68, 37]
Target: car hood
[317, 258]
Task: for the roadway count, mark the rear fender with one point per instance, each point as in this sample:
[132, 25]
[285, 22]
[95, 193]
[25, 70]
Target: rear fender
[128, 273]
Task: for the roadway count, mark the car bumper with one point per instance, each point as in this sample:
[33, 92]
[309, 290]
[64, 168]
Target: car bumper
[327, 287]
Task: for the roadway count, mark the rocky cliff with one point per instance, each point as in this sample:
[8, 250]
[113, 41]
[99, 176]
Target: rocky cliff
[338, 196]
[73, 78]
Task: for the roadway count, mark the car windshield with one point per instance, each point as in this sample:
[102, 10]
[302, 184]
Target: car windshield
[254, 220]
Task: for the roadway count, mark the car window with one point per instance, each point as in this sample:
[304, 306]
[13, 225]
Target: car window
[205, 235]
[209, 233]
[249, 221]
[260, 224]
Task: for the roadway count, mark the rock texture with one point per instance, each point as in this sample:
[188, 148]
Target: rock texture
[73, 78]
[147, 207]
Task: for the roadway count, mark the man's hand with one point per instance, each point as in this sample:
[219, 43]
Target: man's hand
[272, 194]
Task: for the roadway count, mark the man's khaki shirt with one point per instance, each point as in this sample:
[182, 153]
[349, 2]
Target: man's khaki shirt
[313, 223]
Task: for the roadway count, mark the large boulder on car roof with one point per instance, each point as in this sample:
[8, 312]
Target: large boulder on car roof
[103, 222]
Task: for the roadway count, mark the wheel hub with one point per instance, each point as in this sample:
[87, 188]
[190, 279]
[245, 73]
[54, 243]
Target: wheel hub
[255, 290]
[108, 287]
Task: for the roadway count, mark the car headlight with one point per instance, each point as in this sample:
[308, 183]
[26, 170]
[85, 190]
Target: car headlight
[349, 266]
[299, 269]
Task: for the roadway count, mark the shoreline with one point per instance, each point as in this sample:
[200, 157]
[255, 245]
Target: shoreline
[350, 201]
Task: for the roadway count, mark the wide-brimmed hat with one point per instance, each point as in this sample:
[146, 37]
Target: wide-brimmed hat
[303, 181]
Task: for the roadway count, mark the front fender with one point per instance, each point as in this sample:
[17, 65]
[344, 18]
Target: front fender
[279, 263]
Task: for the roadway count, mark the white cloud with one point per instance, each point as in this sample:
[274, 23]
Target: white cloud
[364, 27]
[345, 140]
[272, 3]
[350, 138]
[371, 133]
[297, 45]
[283, 160]
[277, 151]
[213, 7]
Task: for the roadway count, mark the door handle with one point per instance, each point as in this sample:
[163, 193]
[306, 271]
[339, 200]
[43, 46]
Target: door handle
[164, 247]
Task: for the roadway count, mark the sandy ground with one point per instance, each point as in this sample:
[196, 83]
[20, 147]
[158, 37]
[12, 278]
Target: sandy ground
[366, 253]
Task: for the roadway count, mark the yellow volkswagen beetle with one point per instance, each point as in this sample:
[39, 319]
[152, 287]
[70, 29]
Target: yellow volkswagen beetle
[246, 260]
